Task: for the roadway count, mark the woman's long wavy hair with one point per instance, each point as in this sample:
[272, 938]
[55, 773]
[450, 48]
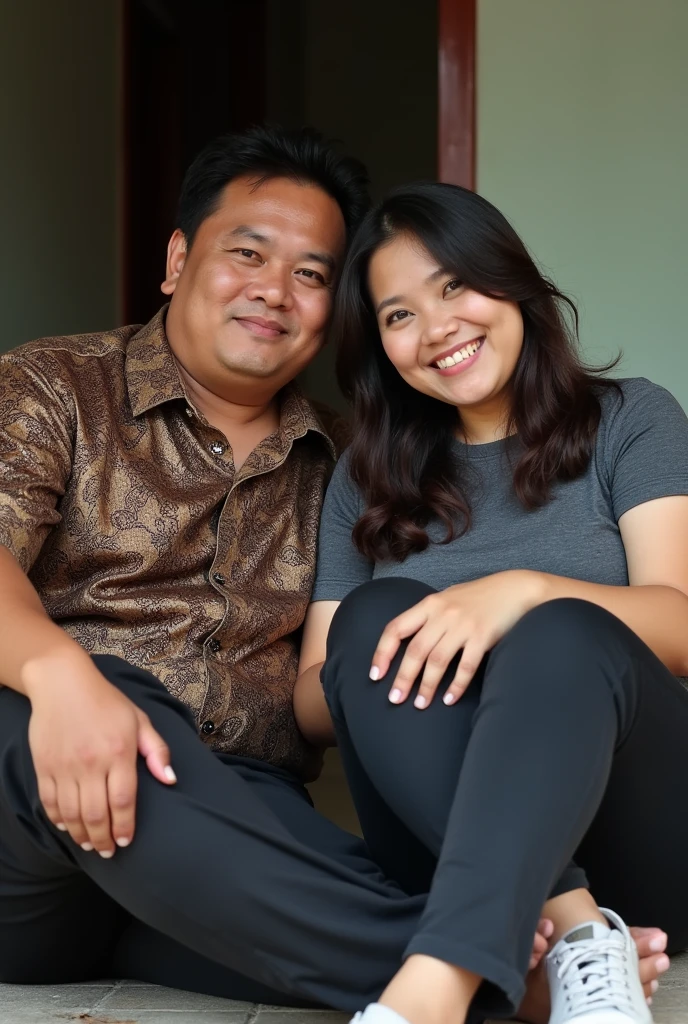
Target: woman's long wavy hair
[402, 455]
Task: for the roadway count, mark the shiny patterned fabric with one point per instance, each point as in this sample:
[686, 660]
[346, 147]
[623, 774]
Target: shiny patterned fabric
[122, 504]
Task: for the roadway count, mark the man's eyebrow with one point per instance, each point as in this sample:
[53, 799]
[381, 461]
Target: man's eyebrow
[244, 231]
[320, 257]
[393, 299]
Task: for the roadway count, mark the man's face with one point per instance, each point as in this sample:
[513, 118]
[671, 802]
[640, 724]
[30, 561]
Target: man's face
[252, 297]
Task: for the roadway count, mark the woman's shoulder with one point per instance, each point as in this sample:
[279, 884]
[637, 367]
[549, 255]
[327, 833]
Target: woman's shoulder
[637, 401]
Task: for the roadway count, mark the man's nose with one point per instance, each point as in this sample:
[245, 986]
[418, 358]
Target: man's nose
[272, 284]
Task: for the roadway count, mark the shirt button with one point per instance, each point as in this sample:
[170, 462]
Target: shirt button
[207, 728]
[219, 579]
[217, 448]
[214, 645]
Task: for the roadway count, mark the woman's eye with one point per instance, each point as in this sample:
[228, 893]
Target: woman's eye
[453, 285]
[397, 316]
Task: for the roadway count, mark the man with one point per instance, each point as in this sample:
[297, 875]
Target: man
[160, 495]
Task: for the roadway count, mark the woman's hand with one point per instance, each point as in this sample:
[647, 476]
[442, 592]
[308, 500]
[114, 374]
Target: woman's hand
[470, 617]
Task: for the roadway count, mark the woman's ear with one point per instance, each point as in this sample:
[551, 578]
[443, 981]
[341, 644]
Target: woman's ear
[176, 256]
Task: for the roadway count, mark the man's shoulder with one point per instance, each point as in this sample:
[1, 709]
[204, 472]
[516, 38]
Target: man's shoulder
[70, 348]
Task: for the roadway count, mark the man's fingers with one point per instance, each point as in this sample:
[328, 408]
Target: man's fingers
[69, 810]
[651, 968]
[649, 940]
[95, 814]
[121, 792]
[153, 748]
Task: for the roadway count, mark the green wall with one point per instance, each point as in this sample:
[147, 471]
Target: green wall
[583, 144]
[58, 165]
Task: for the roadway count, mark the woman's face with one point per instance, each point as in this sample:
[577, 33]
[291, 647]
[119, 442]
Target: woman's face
[445, 340]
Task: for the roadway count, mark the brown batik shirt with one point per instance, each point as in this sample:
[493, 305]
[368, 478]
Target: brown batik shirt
[122, 504]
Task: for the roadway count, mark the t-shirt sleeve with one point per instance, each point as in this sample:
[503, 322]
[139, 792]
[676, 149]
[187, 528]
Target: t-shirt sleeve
[341, 567]
[35, 457]
[646, 446]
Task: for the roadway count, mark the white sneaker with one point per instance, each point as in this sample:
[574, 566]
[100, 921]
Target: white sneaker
[593, 976]
[376, 1013]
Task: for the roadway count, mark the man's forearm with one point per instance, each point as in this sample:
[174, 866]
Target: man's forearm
[29, 641]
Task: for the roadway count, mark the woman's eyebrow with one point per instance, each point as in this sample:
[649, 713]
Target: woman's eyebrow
[393, 299]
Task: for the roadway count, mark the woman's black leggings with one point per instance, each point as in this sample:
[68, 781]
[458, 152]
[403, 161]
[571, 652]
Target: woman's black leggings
[571, 744]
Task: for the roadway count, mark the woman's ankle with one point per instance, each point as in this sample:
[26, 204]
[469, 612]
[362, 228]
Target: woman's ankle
[570, 910]
[429, 991]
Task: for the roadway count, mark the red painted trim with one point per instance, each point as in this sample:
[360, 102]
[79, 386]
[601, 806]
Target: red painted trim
[456, 79]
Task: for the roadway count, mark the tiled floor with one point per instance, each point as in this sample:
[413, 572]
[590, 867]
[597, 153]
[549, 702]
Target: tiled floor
[128, 1003]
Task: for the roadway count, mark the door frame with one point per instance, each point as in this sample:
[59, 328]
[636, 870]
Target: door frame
[456, 75]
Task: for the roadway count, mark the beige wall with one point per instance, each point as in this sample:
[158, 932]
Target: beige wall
[58, 146]
[583, 144]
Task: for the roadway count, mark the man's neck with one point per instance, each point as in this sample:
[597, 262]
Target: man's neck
[217, 410]
[244, 423]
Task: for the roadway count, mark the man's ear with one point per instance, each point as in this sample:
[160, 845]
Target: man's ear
[176, 255]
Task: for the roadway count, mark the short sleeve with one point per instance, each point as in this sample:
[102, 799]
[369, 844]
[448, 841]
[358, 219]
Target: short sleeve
[35, 457]
[341, 567]
[646, 446]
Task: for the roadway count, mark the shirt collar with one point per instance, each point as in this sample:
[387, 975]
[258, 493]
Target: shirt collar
[153, 378]
[150, 368]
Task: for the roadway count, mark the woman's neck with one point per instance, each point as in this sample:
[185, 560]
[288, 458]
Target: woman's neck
[482, 424]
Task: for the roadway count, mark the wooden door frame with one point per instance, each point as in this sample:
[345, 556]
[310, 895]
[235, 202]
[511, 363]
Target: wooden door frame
[456, 67]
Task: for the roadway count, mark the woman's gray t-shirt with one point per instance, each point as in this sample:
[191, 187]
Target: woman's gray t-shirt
[641, 453]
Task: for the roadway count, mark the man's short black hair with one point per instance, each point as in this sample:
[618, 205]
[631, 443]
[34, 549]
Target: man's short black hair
[302, 155]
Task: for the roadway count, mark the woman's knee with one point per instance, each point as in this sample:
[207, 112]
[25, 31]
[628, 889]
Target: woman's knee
[569, 635]
[359, 622]
[364, 613]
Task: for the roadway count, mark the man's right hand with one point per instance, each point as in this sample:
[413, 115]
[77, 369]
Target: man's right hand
[85, 736]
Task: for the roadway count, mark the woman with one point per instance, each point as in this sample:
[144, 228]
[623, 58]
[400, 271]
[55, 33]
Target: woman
[507, 535]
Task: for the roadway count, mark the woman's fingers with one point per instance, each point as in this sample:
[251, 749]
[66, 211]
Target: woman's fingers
[473, 653]
[419, 653]
[438, 659]
[395, 631]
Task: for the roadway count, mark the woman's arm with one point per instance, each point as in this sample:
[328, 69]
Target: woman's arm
[473, 617]
[655, 605]
[310, 707]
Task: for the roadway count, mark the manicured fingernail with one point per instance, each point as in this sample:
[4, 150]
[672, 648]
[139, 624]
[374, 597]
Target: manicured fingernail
[659, 944]
[374, 673]
[87, 847]
[654, 985]
[662, 964]
[420, 702]
[395, 696]
[449, 698]
[649, 1000]
[61, 826]
[169, 773]
[122, 841]
[106, 854]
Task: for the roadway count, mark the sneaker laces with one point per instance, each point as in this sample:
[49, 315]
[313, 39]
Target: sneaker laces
[596, 976]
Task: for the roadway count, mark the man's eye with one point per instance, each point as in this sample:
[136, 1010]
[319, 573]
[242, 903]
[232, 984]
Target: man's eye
[397, 316]
[312, 275]
[249, 254]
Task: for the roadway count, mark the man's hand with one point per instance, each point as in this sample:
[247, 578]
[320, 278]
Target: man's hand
[85, 737]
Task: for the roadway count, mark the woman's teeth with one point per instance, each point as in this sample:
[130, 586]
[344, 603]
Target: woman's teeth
[458, 357]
